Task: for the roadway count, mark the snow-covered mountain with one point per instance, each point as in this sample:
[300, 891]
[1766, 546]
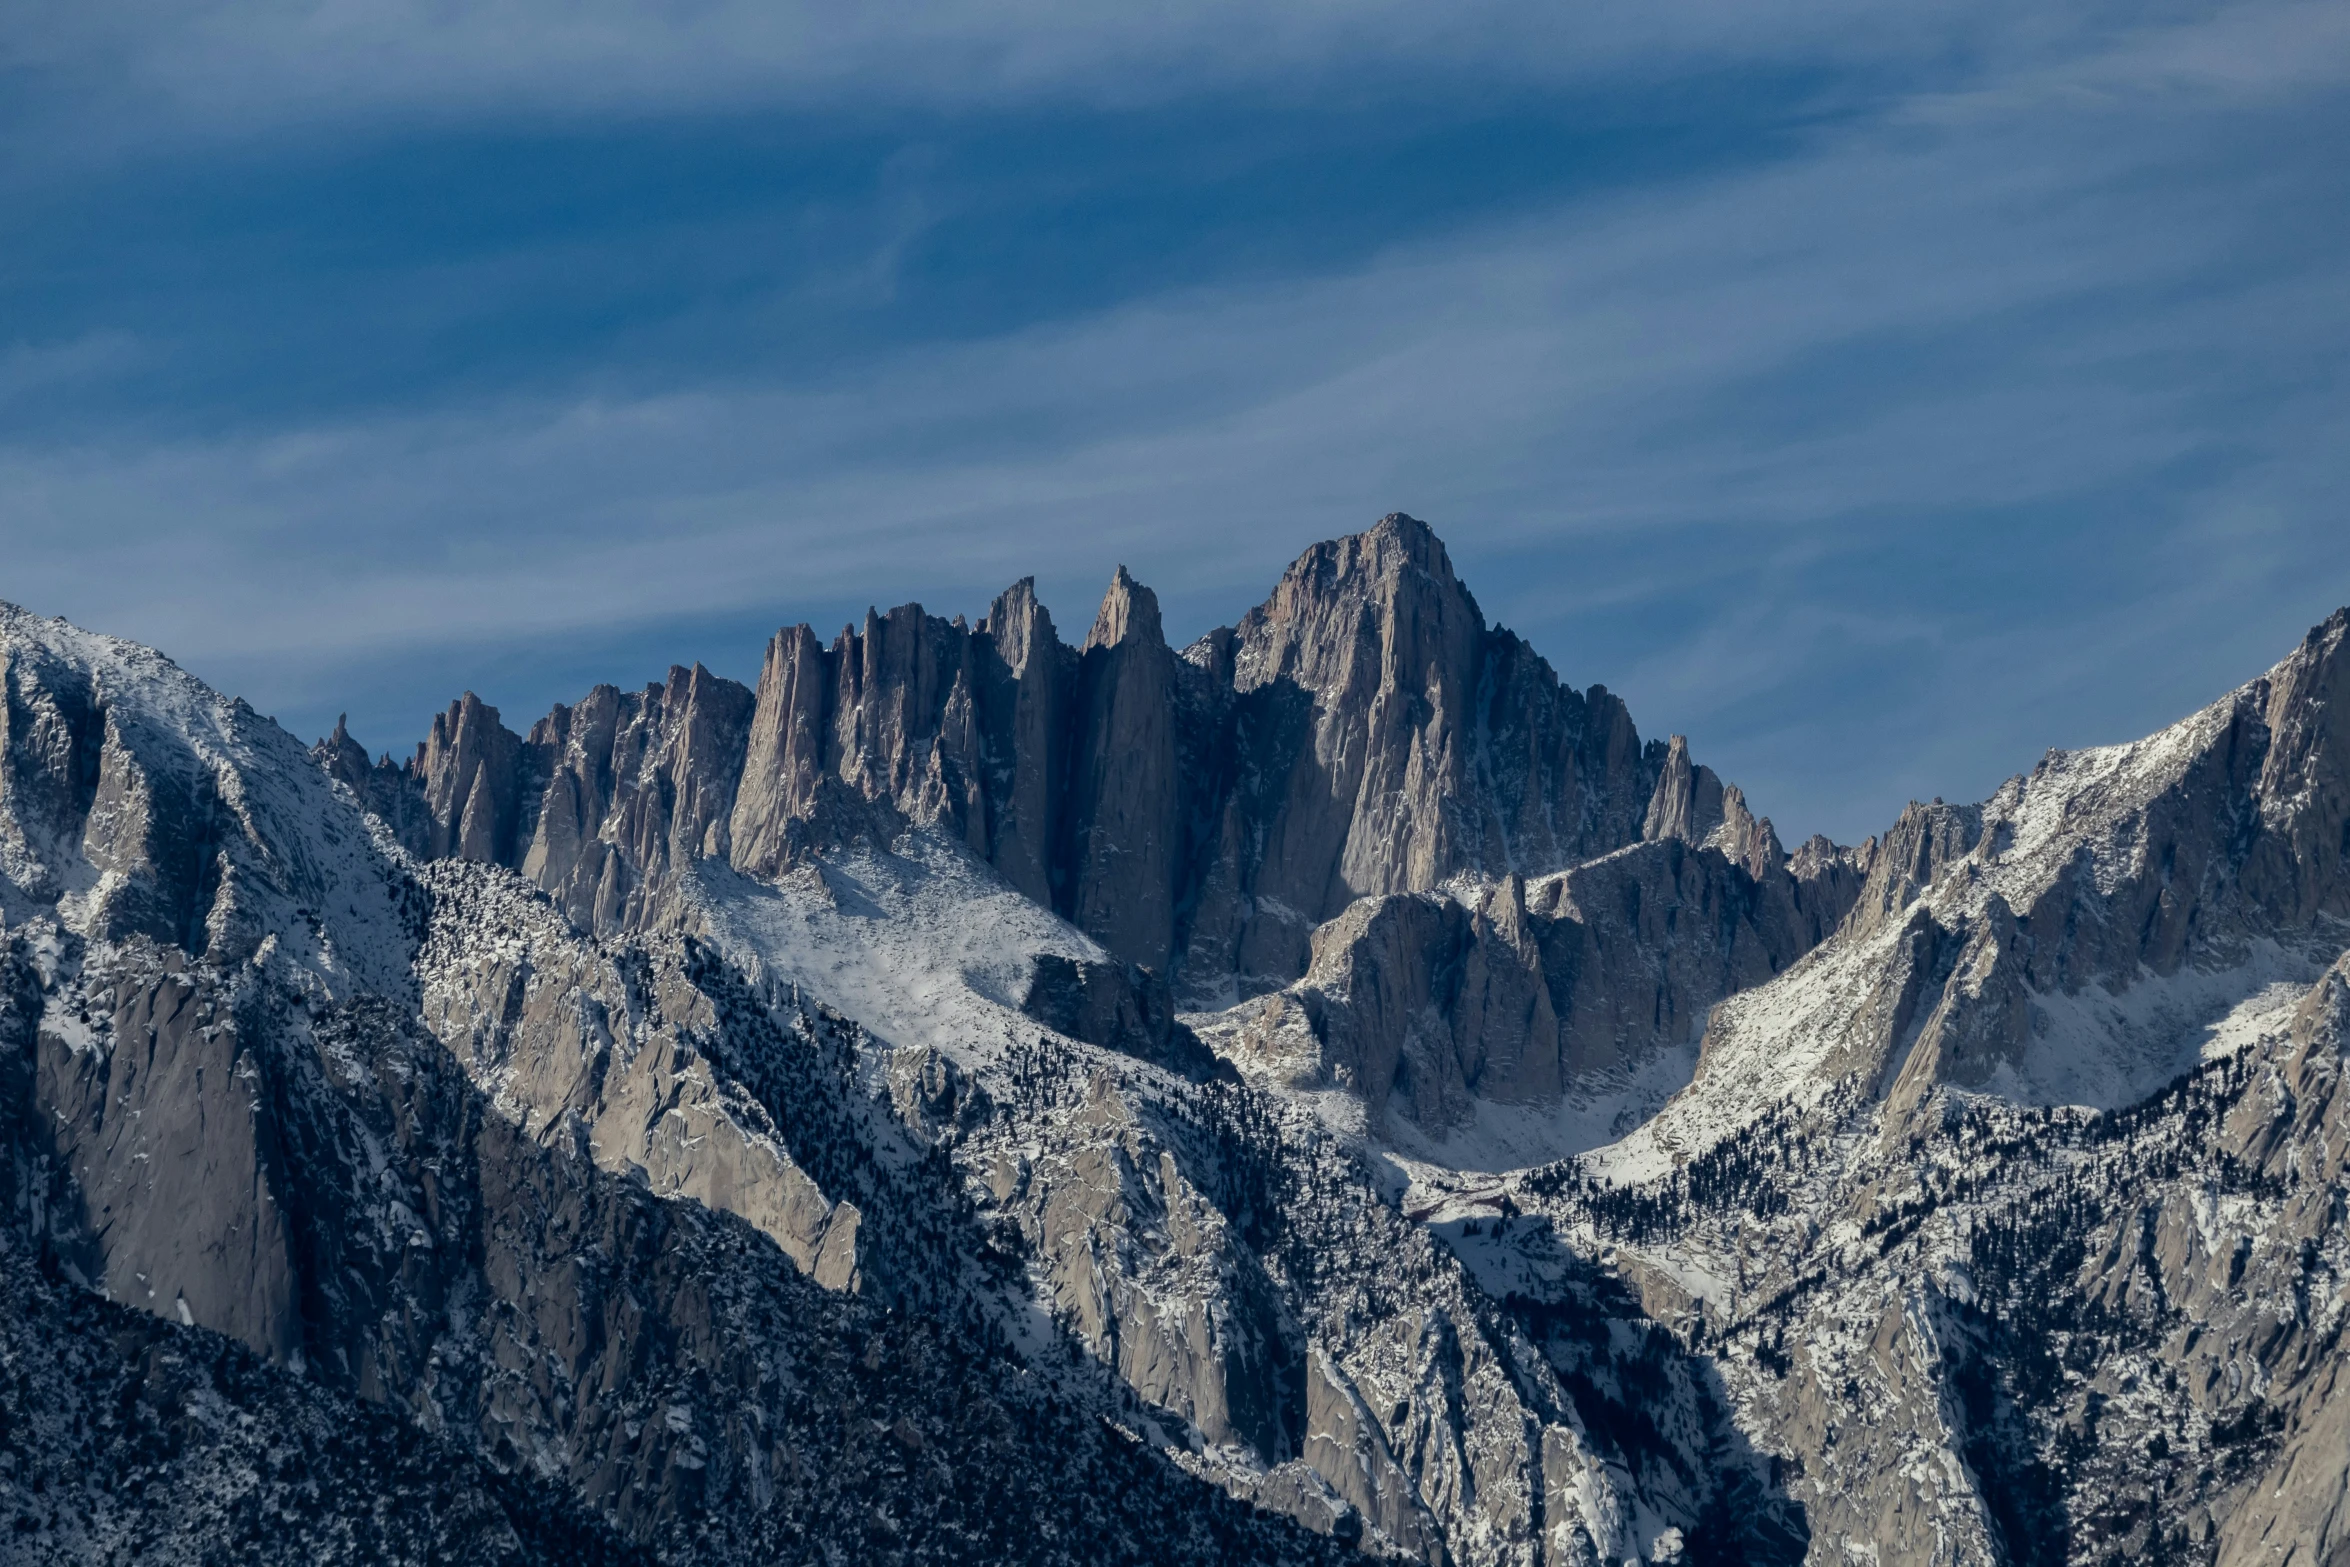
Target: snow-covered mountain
[1330, 1088]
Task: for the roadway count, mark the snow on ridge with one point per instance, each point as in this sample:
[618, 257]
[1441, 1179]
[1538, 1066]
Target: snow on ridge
[2101, 1046]
[921, 943]
[1783, 1040]
[2035, 822]
[306, 878]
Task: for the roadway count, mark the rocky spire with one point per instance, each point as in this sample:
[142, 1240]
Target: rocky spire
[1023, 691]
[1687, 803]
[1745, 839]
[469, 771]
[1124, 817]
[1129, 612]
[344, 757]
[785, 753]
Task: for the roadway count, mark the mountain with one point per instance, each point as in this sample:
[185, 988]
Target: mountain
[1329, 1089]
[1202, 816]
[1198, 813]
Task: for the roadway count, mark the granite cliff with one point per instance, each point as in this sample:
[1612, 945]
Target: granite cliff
[1199, 812]
[1202, 815]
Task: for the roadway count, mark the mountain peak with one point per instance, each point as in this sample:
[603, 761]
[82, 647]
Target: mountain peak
[1394, 545]
[1415, 540]
[1129, 611]
[1019, 627]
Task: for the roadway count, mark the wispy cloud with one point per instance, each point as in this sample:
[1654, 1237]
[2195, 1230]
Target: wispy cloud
[249, 61]
[2007, 413]
[33, 370]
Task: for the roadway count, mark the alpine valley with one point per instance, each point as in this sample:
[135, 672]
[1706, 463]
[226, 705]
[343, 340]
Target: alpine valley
[1329, 1090]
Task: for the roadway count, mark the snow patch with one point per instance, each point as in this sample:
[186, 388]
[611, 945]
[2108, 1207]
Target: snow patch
[1502, 1137]
[921, 943]
[2103, 1049]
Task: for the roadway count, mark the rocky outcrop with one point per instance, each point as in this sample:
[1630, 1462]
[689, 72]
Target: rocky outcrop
[637, 785]
[382, 788]
[474, 781]
[1689, 803]
[1383, 739]
[86, 810]
[149, 1107]
[577, 1045]
[1026, 681]
[136, 803]
[1145, 1273]
[1906, 862]
[1424, 1003]
[1752, 842]
[1831, 875]
[1123, 861]
[1122, 1006]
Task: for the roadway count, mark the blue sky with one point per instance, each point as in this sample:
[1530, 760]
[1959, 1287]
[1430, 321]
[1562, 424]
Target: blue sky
[1878, 399]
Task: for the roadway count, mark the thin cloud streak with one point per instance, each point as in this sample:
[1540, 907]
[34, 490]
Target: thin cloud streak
[248, 63]
[1974, 315]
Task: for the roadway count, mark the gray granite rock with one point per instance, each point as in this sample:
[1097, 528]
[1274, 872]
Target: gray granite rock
[1364, 732]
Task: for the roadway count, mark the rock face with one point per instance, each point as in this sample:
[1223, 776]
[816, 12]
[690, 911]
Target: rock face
[1362, 733]
[1125, 809]
[634, 785]
[1423, 1004]
[1383, 738]
[184, 1200]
